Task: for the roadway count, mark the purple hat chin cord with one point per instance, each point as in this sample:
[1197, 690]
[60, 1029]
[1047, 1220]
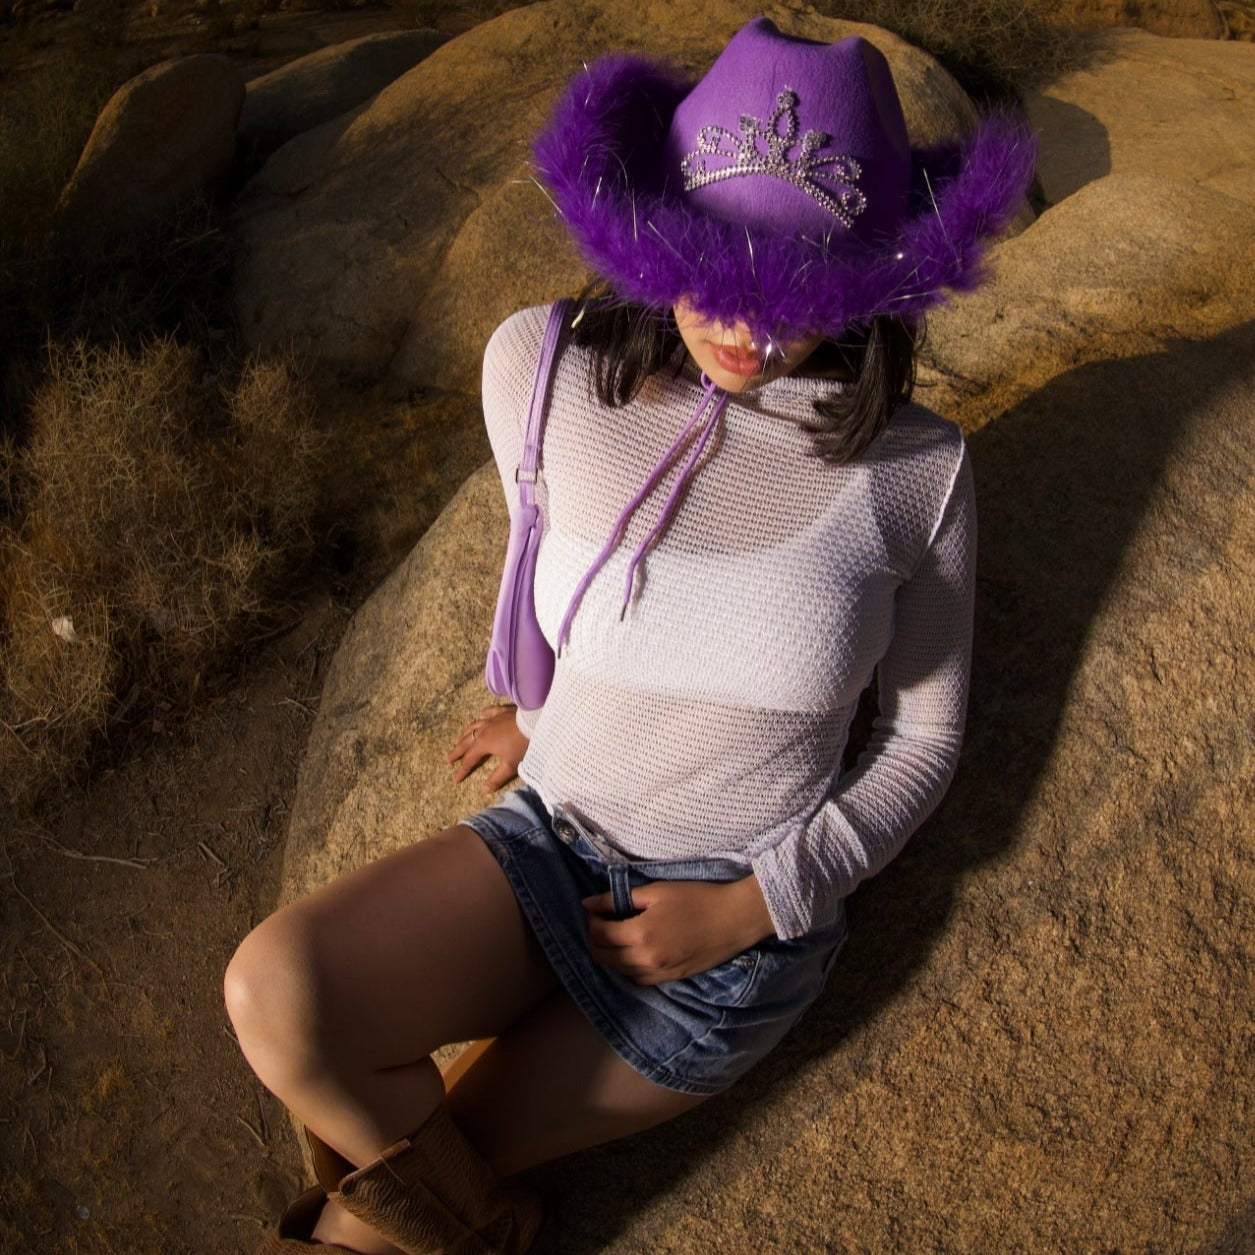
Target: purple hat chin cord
[709, 389]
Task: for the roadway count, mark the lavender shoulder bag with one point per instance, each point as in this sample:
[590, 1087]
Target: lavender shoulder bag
[520, 660]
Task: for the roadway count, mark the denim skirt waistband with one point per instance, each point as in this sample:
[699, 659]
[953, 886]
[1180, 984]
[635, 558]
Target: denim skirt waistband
[696, 1035]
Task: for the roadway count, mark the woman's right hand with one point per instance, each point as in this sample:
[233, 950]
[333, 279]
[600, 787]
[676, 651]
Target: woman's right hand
[494, 734]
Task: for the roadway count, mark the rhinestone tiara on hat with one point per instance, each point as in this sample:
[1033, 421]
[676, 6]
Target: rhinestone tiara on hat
[841, 198]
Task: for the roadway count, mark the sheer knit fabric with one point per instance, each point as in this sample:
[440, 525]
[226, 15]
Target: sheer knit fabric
[709, 720]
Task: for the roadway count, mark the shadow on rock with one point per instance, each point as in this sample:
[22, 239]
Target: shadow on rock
[1084, 156]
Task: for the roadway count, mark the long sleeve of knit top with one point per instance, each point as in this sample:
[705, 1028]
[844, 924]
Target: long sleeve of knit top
[710, 719]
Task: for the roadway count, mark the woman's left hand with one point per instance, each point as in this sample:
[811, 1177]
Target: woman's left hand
[682, 927]
[494, 733]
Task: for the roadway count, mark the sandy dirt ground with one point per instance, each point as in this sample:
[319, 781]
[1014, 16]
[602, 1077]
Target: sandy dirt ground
[130, 1122]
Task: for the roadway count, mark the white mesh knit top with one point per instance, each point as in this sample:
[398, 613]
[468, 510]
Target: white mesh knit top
[709, 720]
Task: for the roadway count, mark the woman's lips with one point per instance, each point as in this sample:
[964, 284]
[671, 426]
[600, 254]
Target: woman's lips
[737, 361]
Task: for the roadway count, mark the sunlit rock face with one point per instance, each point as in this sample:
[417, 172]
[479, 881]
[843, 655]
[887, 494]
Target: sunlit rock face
[325, 84]
[1182, 109]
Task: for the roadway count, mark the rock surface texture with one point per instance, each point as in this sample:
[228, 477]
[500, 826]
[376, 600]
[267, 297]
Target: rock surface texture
[408, 674]
[165, 135]
[1038, 1037]
[1183, 109]
[1148, 161]
[316, 88]
[1129, 262]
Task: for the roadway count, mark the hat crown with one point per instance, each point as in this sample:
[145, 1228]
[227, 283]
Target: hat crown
[788, 135]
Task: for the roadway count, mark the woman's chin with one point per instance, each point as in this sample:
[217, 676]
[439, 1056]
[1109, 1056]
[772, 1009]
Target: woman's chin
[733, 383]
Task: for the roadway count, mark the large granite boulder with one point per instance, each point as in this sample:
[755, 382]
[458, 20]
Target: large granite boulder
[397, 237]
[1129, 262]
[1148, 159]
[1038, 1036]
[164, 136]
[322, 85]
[406, 678]
[1183, 109]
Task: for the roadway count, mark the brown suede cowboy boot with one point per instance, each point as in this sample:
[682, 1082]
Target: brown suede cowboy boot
[300, 1216]
[296, 1225]
[432, 1193]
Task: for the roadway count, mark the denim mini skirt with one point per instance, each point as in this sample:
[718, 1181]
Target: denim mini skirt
[696, 1035]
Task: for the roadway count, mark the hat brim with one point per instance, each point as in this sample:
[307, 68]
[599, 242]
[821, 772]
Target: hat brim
[598, 156]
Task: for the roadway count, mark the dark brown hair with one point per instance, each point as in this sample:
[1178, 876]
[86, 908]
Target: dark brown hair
[630, 342]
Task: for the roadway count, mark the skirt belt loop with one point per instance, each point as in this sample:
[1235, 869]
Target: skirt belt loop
[621, 891]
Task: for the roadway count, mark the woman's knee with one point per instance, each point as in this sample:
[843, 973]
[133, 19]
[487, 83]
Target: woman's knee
[271, 989]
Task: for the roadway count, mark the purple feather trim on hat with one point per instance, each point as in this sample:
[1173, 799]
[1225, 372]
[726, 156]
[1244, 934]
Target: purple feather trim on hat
[599, 157]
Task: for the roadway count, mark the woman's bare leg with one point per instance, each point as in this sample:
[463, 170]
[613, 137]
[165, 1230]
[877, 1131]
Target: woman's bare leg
[339, 999]
[549, 1086]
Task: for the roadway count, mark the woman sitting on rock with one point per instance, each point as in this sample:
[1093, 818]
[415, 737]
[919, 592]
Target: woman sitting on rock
[744, 520]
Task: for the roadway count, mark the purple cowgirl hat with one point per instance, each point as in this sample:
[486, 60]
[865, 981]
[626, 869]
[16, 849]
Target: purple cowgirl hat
[780, 188]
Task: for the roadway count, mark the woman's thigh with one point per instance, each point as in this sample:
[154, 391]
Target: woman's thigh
[550, 1085]
[419, 948]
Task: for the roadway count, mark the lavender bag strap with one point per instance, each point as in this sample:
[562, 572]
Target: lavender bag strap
[525, 474]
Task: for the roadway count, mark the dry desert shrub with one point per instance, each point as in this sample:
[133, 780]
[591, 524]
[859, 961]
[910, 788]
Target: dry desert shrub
[149, 513]
[994, 47]
[275, 436]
